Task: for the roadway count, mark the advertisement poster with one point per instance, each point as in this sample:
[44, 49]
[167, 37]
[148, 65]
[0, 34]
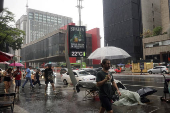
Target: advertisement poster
[77, 41]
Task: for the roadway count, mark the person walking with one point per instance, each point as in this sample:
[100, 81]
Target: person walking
[7, 79]
[105, 81]
[28, 77]
[33, 77]
[37, 77]
[48, 77]
[17, 75]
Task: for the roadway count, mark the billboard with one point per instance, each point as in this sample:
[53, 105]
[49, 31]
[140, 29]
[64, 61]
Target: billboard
[77, 41]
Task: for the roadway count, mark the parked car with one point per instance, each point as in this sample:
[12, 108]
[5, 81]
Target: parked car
[63, 70]
[112, 70]
[90, 70]
[54, 74]
[98, 69]
[80, 75]
[158, 69]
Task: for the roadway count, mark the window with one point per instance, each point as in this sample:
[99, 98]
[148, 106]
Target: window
[153, 26]
[152, 5]
[83, 73]
[153, 13]
[153, 19]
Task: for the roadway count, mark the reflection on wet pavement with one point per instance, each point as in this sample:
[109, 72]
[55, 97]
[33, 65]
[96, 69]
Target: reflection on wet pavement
[66, 100]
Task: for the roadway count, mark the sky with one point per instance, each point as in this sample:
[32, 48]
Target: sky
[92, 13]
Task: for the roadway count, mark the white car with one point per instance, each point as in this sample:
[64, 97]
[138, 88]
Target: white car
[158, 69]
[80, 75]
[112, 70]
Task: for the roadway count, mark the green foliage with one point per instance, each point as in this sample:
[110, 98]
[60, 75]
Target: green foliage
[164, 33]
[13, 37]
[157, 30]
[147, 33]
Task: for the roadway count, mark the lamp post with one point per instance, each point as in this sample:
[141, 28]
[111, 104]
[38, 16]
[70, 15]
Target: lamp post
[79, 6]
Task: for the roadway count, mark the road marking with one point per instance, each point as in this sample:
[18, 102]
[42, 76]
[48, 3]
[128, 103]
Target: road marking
[143, 86]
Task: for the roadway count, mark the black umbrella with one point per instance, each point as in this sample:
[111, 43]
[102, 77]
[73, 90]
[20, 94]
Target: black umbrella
[146, 91]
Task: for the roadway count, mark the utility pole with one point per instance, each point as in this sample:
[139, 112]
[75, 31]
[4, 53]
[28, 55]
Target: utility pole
[79, 6]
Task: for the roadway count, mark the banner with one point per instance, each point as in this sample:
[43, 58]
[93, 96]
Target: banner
[77, 41]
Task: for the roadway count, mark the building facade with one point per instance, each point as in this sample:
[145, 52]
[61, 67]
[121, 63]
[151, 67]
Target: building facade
[123, 26]
[157, 48]
[51, 48]
[37, 24]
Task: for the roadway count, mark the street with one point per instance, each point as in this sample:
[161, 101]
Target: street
[65, 100]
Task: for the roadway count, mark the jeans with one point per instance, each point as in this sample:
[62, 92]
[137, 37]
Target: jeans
[28, 78]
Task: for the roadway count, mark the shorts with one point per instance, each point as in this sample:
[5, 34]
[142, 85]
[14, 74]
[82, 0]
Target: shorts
[18, 82]
[106, 102]
[8, 79]
[32, 80]
[47, 81]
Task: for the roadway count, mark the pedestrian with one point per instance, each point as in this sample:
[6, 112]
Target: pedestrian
[33, 77]
[7, 79]
[37, 76]
[17, 75]
[48, 77]
[28, 77]
[104, 81]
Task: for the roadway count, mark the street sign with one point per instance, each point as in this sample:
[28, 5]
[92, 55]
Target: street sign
[77, 41]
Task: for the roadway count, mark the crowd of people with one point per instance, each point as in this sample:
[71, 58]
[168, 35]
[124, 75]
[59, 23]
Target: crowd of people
[34, 78]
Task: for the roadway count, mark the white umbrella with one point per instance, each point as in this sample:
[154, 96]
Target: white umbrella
[109, 52]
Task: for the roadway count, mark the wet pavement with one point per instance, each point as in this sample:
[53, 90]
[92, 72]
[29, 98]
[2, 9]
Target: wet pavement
[65, 100]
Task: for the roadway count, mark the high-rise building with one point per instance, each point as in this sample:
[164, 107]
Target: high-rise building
[37, 24]
[123, 25]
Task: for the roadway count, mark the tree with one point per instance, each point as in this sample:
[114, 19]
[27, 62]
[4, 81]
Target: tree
[9, 36]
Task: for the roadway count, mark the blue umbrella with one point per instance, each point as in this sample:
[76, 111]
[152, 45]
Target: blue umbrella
[120, 64]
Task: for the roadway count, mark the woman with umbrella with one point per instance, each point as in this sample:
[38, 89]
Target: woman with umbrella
[7, 79]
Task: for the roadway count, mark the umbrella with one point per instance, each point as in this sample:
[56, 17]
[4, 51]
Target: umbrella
[4, 63]
[109, 52]
[120, 64]
[16, 64]
[52, 64]
[146, 91]
[5, 56]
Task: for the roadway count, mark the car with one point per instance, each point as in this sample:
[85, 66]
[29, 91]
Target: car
[112, 70]
[158, 69]
[90, 70]
[63, 70]
[98, 69]
[80, 75]
[54, 74]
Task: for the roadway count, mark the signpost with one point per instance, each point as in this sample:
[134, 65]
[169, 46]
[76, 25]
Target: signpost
[77, 41]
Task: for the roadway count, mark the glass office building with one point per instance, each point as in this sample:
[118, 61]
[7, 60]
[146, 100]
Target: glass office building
[37, 24]
[41, 23]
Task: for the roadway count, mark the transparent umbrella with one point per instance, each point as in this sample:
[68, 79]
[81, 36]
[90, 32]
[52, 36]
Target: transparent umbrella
[109, 52]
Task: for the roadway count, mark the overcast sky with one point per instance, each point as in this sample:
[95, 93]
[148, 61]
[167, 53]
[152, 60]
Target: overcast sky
[92, 13]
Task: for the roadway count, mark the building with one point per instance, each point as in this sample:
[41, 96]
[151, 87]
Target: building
[123, 26]
[157, 48]
[37, 24]
[51, 48]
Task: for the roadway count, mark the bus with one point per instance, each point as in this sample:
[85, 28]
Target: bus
[76, 65]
